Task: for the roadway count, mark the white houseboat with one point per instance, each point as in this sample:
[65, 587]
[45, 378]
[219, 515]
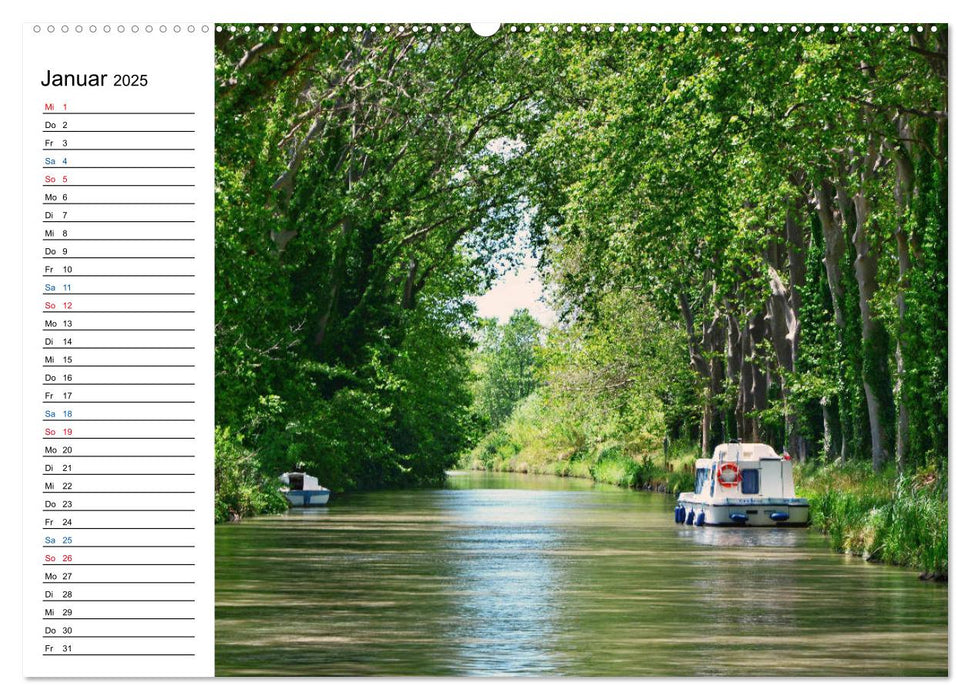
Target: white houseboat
[303, 490]
[742, 484]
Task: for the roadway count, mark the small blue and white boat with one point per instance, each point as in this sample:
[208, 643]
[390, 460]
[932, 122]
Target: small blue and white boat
[303, 490]
[743, 484]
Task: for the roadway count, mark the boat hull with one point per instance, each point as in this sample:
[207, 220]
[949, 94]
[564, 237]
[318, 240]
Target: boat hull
[788, 512]
[306, 499]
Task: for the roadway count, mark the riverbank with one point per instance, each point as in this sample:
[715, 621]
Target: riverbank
[881, 518]
[242, 490]
[501, 452]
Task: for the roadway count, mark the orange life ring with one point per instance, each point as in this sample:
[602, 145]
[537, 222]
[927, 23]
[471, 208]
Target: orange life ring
[736, 475]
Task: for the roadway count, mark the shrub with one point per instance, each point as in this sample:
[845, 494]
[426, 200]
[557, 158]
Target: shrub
[899, 520]
[241, 490]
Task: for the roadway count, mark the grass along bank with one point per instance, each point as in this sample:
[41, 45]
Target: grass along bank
[880, 517]
[530, 442]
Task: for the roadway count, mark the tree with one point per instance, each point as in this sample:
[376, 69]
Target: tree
[509, 359]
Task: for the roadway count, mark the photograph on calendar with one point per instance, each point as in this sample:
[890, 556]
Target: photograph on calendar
[581, 350]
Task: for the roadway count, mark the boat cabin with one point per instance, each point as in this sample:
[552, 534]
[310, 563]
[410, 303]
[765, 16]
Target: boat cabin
[743, 484]
[744, 469]
[302, 489]
[300, 481]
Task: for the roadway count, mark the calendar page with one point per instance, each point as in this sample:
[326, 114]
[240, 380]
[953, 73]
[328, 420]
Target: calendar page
[118, 349]
[610, 347]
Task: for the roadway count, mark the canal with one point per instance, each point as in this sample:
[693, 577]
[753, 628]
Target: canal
[509, 574]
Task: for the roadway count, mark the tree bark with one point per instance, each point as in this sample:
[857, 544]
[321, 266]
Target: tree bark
[829, 449]
[713, 341]
[753, 381]
[903, 192]
[835, 248]
[700, 365]
[784, 332]
[865, 269]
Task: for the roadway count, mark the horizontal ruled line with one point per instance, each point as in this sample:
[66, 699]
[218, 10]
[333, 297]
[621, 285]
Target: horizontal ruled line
[94, 618]
[119, 294]
[119, 546]
[122, 402]
[119, 420]
[117, 366]
[121, 311]
[119, 600]
[119, 528]
[116, 636]
[127, 113]
[73, 654]
[110, 204]
[125, 564]
[115, 239]
[118, 221]
[70, 491]
[124, 583]
[118, 131]
[118, 149]
[127, 184]
[119, 167]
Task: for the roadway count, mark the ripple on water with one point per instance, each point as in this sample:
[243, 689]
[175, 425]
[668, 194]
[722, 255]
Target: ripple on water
[518, 575]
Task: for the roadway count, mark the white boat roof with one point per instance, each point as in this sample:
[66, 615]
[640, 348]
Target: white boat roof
[310, 483]
[745, 451]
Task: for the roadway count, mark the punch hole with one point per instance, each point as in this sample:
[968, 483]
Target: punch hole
[485, 28]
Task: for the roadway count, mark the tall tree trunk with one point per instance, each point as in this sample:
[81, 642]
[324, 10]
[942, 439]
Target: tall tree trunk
[831, 222]
[700, 365]
[753, 382]
[783, 322]
[796, 245]
[873, 332]
[903, 191]
[706, 424]
[783, 331]
[713, 341]
[835, 248]
[743, 402]
[829, 449]
[760, 376]
[733, 362]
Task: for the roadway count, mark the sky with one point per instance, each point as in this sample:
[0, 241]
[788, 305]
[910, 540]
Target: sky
[519, 288]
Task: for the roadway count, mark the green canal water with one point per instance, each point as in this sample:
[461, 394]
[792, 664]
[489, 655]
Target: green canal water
[507, 574]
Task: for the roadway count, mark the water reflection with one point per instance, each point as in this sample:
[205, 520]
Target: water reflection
[510, 574]
[505, 578]
[761, 537]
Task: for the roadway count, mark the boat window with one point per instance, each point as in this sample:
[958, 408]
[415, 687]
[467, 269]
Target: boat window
[296, 482]
[701, 476]
[750, 481]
